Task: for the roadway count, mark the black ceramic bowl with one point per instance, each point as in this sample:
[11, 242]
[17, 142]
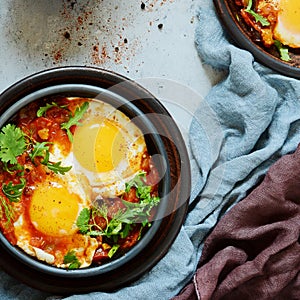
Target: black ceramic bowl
[242, 34]
[164, 141]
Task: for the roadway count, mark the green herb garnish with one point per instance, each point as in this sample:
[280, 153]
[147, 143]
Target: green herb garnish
[120, 223]
[283, 51]
[42, 110]
[83, 221]
[71, 259]
[12, 168]
[40, 150]
[57, 168]
[113, 250]
[143, 192]
[14, 191]
[74, 120]
[12, 143]
[6, 209]
[258, 18]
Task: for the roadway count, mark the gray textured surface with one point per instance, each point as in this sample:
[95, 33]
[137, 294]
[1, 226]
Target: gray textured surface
[115, 35]
[152, 45]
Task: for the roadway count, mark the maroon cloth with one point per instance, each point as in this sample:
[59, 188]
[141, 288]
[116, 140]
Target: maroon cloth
[254, 251]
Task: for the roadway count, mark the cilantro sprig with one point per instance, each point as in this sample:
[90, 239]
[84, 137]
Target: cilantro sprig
[120, 223]
[74, 119]
[71, 260]
[143, 191]
[258, 18]
[12, 143]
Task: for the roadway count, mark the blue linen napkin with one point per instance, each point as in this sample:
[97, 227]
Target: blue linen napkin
[246, 122]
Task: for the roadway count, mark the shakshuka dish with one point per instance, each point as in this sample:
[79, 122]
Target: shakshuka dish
[276, 22]
[78, 187]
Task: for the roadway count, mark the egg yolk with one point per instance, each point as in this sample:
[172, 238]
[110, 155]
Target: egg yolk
[99, 147]
[289, 12]
[109, 147]
[54, 210]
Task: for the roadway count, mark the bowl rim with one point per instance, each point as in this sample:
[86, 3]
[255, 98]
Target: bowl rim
[179, 169]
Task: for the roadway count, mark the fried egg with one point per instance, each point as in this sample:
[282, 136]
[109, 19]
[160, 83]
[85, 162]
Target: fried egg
[284, 16]
[55, 205]
[108, 149]
[287, 29]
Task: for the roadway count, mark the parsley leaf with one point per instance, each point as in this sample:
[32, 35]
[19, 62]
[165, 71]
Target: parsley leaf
[143, 192]
[74, 120]
[14, 191]
[283, 51]
[258, 18]
[83, 220]
[71, 259]
[136, 182]
[12, 143]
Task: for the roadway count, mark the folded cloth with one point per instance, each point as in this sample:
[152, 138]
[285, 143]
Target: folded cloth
[258, 113]
[246, 123]
[254, 251]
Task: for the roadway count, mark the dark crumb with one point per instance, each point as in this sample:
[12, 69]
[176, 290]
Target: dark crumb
[79, 44]
[160, 26]
[67, 35]
[125, 41]
[143, 5]
[73, 4]
[117, 49]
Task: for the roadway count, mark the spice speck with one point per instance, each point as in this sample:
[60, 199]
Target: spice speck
[67, 35]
